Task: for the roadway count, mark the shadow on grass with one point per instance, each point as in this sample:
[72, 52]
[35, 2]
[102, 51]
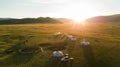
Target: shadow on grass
[52, 62]
[14, 57]
[58, 46]
[71, 47]
[89, 56]
[56, 62]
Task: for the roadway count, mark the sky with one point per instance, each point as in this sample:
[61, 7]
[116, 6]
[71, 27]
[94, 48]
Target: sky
[75, 9]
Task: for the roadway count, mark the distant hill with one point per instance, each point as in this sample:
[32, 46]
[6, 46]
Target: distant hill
[29, 20]
[110, 18]
[64, 20]
[5, 19]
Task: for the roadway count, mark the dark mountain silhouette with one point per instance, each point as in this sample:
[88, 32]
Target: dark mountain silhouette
[65, 20]
[109, 18]
[29, 20]
[5, 19]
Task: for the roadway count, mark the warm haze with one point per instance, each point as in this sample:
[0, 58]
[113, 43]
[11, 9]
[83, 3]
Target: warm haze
[75, 9]
[42, 33]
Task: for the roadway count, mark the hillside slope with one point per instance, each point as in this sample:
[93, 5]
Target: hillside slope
[109, 18]
[30, 20]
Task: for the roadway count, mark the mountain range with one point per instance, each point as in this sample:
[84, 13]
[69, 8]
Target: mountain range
[109, 18]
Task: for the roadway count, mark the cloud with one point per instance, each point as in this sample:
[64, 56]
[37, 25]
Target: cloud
[48, 1]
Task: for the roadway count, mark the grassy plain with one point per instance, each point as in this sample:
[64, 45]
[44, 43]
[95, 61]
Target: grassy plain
[104, 41]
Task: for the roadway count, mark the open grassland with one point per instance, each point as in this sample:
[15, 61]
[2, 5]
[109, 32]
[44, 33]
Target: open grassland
[104, 41]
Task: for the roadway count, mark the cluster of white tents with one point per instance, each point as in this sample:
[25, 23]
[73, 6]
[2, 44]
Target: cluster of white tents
[73, 38]
[70, 37]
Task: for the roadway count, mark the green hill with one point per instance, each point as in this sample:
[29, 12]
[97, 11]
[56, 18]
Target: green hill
[5, 19]
[29, 20]
[109, 18]
[65, 20]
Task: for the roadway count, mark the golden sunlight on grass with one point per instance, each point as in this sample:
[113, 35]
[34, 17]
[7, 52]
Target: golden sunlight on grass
[99, 36]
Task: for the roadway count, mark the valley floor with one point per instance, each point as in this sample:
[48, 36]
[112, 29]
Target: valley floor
[103, 50]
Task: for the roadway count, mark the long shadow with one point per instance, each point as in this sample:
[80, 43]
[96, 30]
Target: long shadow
[14, 57]
[71, 47]
[89, 55]
[55, 62]
[52, 62]
[16, 60]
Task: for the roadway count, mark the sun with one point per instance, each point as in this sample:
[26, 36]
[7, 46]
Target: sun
[78, 21]
[79, 12]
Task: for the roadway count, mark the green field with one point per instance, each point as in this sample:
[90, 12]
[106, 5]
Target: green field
[104, 46]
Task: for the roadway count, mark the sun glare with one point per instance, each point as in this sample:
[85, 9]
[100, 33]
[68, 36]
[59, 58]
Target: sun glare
[78, 21]
[79, 12]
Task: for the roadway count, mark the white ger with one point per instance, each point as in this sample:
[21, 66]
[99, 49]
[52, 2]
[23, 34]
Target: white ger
[85, 43]
[58, 33]
[71, 37]
[57, 54]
